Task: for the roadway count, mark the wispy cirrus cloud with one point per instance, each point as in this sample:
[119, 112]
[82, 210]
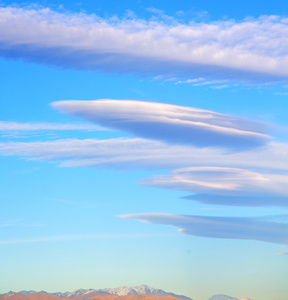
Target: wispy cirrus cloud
[227, 186]
[170, 123]
[19, 223]
[76, 237]
[15, 126]
[246, 228]
[213, 84]
[282, 253]
[101, 151]
[123, 153]
[249, 50]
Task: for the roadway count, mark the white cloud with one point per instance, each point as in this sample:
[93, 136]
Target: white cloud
[248, 50]
[281, 94]
[194, 80]
[14, 126]
[100, 150]
[147, 154]
[76, 237]
[282, 253]
[170, 123]
[212, 84]
[227, 186]
[219, 87]
[217, 177]
[216, 180]
[221, 227]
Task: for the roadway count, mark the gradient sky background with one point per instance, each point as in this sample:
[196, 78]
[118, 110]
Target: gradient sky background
[74, 193]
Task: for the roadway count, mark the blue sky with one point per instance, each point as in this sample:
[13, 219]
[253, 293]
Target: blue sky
[144, 142]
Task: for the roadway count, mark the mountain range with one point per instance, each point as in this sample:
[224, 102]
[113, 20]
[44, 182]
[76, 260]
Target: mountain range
[142, 292]
[225, 297]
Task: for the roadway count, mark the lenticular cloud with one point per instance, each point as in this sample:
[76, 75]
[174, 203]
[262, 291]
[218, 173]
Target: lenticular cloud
[170, 123]
[226, 186]
[248, 50]
[249, 228]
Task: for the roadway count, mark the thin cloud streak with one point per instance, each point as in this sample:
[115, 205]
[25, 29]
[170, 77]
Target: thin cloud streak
[14, 126]
[75, 149]
[282, 253]
[220, 227]
[123, 153]
[170, 123]
[75, 237]
[249, 50]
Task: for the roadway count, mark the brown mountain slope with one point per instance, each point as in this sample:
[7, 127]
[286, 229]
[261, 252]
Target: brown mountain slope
[41, 296]
[36, 296]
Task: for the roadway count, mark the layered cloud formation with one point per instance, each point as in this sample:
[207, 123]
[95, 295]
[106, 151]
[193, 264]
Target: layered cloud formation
[248, 50]
[227, 186]
[224, 160]
[170, 123]
[172, 136]
[258, 229]
[220, 177]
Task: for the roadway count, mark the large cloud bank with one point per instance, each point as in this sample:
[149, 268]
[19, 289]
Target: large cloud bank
[249, 228]
[170, 123]
[247, 50]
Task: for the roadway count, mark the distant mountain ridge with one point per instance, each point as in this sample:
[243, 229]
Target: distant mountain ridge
[83, 294]
[142, 292]
[121, 291]
[225, 297]
[222, 297]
